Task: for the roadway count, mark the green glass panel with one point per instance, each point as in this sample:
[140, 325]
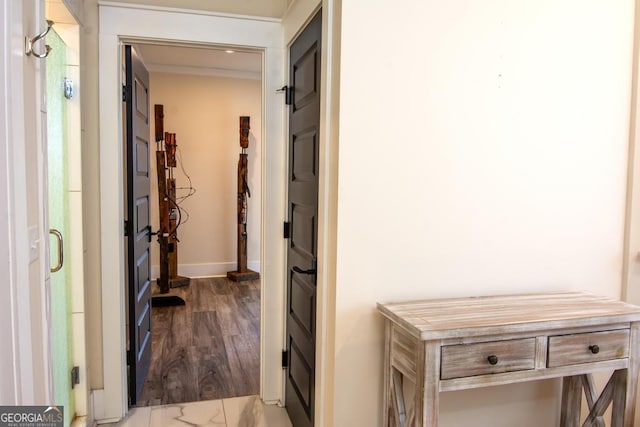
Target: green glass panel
[58, 196]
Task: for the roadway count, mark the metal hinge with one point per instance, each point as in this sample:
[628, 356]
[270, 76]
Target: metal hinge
[126, 93]
[75, 376]
[285, 359]
[286, 230]
[150, 233]
[288, 94]
[127, 228]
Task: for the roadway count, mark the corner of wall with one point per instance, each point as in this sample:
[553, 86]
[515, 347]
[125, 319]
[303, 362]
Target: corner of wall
[89, 75]
[630, 282]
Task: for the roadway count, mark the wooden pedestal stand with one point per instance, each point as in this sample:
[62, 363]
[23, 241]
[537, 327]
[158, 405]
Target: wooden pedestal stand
[167, 234]
[243, 273]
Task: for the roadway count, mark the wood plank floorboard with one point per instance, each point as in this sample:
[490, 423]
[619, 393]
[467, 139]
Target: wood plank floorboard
[207, 349]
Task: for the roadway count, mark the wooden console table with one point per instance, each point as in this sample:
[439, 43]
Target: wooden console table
[455, 344]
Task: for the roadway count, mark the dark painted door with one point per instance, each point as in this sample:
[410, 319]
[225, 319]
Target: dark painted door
[304, 119]
[138, 227]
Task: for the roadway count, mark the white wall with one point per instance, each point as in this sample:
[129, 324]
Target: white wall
[203, 112]
[632, 265]
[482, 151]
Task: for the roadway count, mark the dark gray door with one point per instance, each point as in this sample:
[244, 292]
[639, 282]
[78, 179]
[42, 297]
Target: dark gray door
[138, 227]
[304, 119]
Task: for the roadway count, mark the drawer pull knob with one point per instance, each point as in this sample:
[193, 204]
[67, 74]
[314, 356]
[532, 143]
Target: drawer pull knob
[493, 359]
[594, 349]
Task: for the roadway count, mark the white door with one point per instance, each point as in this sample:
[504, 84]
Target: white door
[23, 265]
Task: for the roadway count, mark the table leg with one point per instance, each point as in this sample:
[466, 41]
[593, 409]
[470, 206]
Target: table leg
[427, 392]
[632, 375]
[571, 401]
[618, 400]
[386, 407]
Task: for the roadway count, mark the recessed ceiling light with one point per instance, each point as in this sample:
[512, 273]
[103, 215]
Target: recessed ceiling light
[230, 51]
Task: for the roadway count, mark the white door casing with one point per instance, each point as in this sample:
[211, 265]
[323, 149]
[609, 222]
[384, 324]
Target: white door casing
[8, 387]
[23, 226]
[118, 23]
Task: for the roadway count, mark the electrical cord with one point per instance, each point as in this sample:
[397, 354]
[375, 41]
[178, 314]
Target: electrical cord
[191, 190]
[183, 214]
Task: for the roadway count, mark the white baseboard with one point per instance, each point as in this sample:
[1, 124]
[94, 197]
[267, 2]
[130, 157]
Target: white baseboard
[205, 270]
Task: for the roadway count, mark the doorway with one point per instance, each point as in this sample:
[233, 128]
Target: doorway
[141, 24]
[208, 348]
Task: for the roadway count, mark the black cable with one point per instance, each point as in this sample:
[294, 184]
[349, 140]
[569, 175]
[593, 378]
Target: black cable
[178, 200]
[191, 189]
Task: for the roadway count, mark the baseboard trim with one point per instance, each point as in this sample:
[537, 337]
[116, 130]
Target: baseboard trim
[195, 271]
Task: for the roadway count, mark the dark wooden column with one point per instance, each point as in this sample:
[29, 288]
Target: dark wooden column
[243, 273]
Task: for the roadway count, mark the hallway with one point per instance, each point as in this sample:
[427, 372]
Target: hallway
[207, 349]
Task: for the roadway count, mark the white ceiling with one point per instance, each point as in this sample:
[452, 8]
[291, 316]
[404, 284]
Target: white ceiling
[201, 61]
[58, 12]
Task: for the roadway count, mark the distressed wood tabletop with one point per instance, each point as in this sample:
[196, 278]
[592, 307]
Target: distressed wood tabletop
[486, 315]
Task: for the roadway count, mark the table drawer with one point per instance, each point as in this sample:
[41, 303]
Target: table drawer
[589, 347]
[466, 360]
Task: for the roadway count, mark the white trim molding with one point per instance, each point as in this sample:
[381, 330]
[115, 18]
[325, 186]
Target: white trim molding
[200, 71]
[24, 325]
[191, 12]
[124, 22]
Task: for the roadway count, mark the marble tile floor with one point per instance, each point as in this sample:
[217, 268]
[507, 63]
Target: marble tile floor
[245, 411]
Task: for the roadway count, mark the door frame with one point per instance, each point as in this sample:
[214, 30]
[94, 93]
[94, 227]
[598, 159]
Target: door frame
[119, 23]
[24, 317]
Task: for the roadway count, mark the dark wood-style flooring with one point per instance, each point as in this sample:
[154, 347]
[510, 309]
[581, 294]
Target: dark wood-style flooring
[207, 349]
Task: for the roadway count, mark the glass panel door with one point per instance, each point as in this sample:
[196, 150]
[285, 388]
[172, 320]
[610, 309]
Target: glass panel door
[59, 209]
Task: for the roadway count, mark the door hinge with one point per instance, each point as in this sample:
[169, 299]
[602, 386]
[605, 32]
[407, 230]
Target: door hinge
[125, 93]
[288, 94]
[150, 233]
[127, 228]
[285, 359]
[75, 376]
[286, 230]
